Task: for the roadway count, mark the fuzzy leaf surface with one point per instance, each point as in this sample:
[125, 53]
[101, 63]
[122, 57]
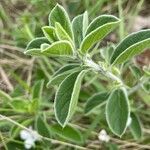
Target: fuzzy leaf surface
[117, 111]
[132, 45]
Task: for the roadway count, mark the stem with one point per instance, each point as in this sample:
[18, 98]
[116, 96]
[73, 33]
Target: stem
[90, 63]
[42, 137]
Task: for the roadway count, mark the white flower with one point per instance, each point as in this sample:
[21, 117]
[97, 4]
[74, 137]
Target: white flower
[103, 136]
[29, 137]
[129, 121]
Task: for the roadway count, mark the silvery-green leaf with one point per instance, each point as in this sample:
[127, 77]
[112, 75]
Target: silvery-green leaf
[34, 52]
[59, 14]
[68, 133]
[67, 97]
[79, 26]
[117, 111]
[33, 48]
[66, 68]
[61, 74]
[36, 43]
[132, 45]
[97, 30]
[135, 126]
[61, 33]
[96, 100]
[59, 48]
[49, 33]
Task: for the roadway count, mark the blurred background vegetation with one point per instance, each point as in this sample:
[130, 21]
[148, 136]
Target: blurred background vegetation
[21, 21]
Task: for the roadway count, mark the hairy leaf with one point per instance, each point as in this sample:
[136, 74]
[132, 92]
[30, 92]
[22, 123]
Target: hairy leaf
[97, 30]
[96, 100]
[67, 96]
[117, 111]
[135, 127]
[60, 77]
[58, 14]
[132, 45]
[61, 33]
[60, 48]
[33, 48]
[49, 33]
[79, 26]
[36, 43]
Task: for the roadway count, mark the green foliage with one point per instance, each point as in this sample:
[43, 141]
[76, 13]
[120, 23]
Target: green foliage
[97, 30]
[117, 111]
[74, 45]
[131, 46]
[135, 127]
[67, 96]
[96, 100]
[76, 39]
[60, 48]
[49, 33]
[58, 14]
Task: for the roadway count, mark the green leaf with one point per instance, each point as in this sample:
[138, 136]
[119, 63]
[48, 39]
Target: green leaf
[96, 100]
[33, 48]
[4, 97]
[49, 33]
[67, 96]
[37, 89]
[42, 127]
[60, 77]
[60, 48]
[79, 26]
[66, 68]
[58, 14]
[36, 43]
[117, 111]
[85, 22]
[61, 33]
[68, 133]
[135, 127]
[62, 73]
[97, 30]
[33, 52]
[132, 45]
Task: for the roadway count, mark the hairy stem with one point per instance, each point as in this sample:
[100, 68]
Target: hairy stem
[90, 63]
